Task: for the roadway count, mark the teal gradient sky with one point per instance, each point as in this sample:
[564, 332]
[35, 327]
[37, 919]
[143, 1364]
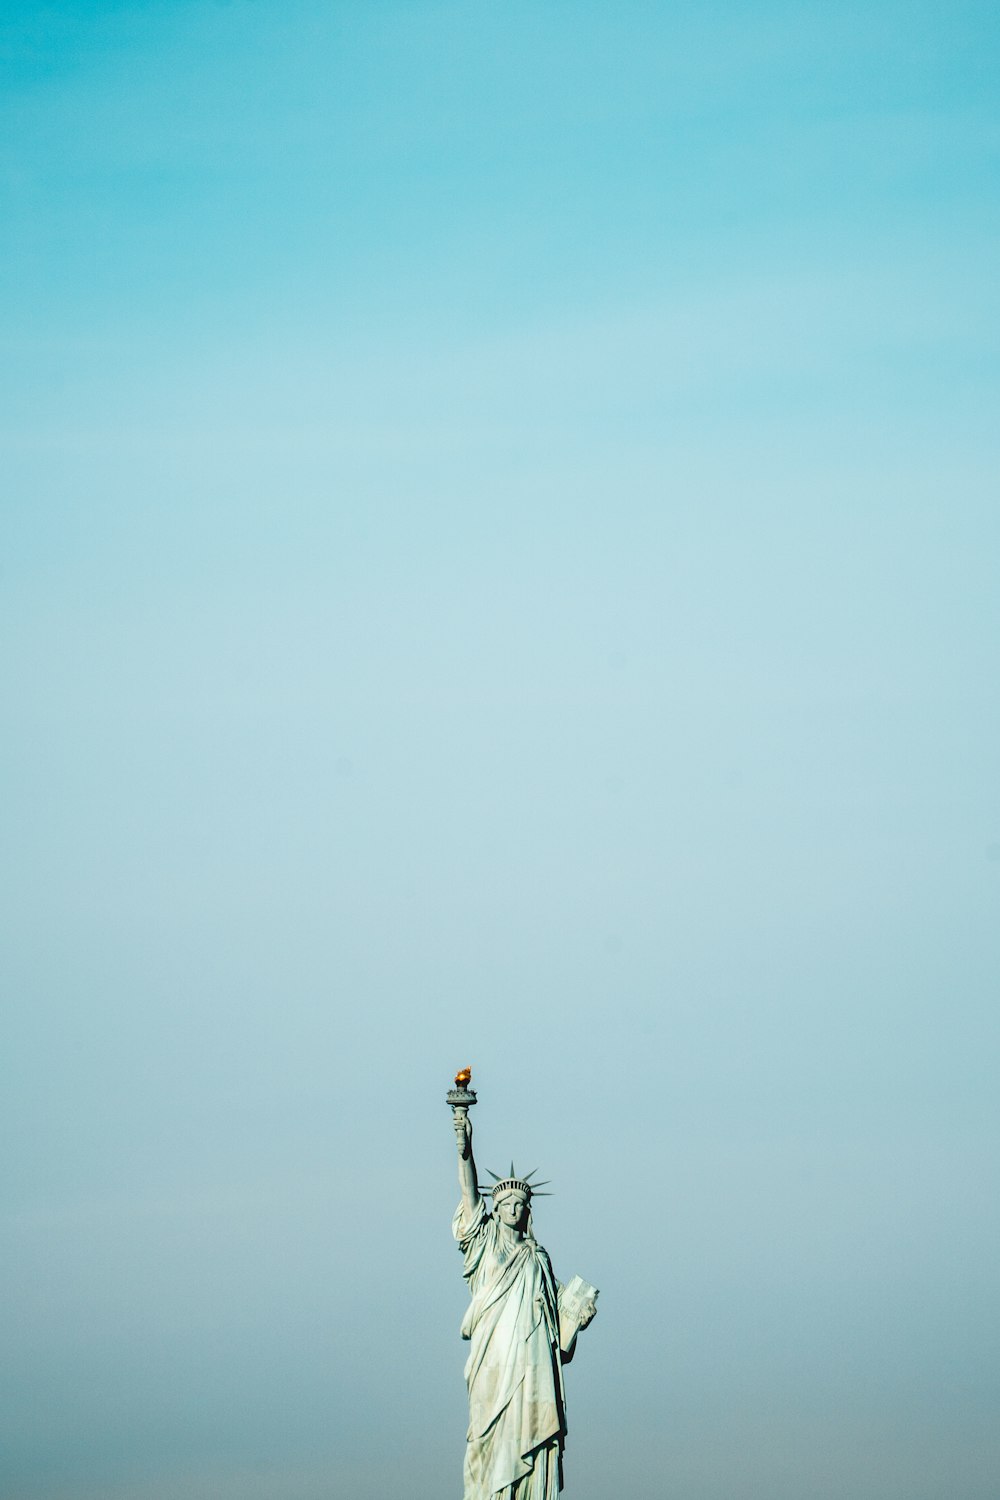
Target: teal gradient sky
[499, 564]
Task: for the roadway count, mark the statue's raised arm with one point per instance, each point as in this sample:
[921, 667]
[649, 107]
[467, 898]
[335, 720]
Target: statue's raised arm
[466, 1166]
[461, 1097]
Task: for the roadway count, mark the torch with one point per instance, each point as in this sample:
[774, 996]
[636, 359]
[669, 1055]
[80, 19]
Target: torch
[462, 1098]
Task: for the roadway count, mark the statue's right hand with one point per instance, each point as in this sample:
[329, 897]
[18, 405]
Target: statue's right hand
[463, 1132]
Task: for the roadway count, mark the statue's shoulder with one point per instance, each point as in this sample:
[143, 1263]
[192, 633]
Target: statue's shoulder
[479, 1224]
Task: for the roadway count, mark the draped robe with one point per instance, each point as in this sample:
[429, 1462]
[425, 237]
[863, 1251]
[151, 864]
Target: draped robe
[517, 1420]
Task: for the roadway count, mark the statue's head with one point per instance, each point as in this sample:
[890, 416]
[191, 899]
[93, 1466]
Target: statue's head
[513, 1207]
[512, 1197]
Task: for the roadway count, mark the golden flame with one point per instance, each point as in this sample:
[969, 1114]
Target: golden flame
[462, 1077]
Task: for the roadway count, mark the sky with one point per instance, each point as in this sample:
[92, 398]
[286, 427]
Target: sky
[499, 566]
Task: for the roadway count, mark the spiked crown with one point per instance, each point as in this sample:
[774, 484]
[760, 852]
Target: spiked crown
[513, 1183]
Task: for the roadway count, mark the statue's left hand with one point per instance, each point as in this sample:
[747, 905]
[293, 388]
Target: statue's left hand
[588, 1313]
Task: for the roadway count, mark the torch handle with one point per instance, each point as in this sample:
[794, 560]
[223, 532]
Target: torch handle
[461, 1113]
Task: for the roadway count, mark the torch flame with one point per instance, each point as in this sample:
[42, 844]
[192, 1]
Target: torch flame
[462, 1078]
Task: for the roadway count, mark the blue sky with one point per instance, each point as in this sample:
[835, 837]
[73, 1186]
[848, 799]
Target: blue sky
[499, 565]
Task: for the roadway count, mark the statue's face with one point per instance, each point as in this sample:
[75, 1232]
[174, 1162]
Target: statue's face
[513, 1210]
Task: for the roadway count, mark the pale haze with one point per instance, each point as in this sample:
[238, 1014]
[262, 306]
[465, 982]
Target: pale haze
[499, 555]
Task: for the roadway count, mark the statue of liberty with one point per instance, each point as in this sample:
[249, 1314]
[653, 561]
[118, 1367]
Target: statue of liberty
[522, 1325]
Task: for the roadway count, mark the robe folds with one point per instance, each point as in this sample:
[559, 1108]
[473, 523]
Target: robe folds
[517, 1420]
